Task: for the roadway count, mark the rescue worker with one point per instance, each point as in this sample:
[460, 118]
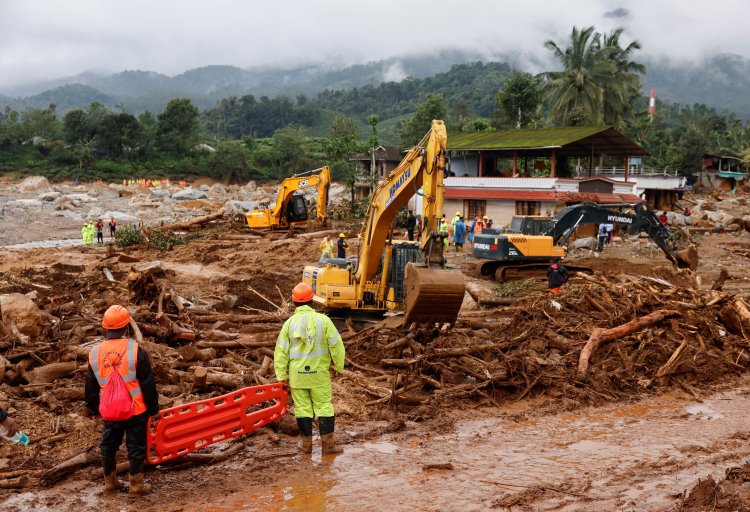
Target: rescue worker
[112, 227]
[459, 234]
[342, 246]
[85, 233]
[444, 229]
[557, 275]
[99, 231]
[326, 247]
[601, 237]
[133, 364]
[307, 346]
[92, 232]
[479, 224]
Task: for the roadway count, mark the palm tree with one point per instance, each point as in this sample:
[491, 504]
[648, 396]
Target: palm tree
[597, 81]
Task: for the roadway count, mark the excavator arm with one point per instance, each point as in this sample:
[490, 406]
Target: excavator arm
[642, 218]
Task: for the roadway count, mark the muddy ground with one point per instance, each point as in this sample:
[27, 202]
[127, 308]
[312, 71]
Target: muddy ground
[492, 414]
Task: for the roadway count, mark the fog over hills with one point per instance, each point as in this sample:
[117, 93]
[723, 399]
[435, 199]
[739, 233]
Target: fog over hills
[721, 81]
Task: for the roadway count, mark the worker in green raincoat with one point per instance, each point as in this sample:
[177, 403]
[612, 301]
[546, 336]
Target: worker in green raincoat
[307, 345]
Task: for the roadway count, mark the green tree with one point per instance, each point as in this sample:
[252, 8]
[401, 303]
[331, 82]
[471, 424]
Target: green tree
[74, 126]
[478, 125]
[118, 133]
[41, 123]
[148, 129]
[340, 146]
[177, 129]
[596, 82]
[10, 128]
[517, 103]
[291, 152]
[434, 107]
[230, 161]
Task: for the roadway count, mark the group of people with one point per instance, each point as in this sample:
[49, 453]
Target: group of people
[91, 229]
[457, 232]
[604, 236]
[326, 247]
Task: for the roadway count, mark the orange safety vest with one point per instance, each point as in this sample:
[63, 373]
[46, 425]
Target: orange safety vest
[108, 352]
[478, 227]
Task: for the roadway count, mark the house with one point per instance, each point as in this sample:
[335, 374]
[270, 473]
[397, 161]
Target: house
[723, 172]
[537, 172]
[386, 159]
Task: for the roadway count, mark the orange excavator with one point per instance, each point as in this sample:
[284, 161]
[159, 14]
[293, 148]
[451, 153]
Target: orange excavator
[290, 210]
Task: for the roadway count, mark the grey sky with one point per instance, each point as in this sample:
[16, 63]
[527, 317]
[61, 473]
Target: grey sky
[42, 39]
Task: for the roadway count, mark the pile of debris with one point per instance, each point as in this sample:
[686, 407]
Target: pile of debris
[732, 493]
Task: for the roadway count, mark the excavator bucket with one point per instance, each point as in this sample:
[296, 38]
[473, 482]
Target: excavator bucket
[432, 296]
[687, 258]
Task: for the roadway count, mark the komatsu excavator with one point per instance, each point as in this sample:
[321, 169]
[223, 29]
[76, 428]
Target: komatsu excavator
[290, 209]
[521, 251]
[390, 275]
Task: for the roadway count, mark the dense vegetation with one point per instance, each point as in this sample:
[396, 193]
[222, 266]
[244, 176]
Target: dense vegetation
[597, 81]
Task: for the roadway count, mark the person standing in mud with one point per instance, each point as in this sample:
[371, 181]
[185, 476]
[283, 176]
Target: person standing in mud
[99, 231]
[411, 224]
[326, 248]
[557, 276]
[342, 246]
[112, 227]
[307, 346]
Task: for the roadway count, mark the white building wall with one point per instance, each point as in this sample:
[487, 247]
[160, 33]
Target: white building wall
[502, 183]
[461, 166]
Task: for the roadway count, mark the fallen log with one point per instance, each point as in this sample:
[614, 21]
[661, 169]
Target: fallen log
[177, 226]
[50, 373]
[599, 336]
[249, 342]
[199, 378]
[57, 473]
[484, 297]
[212, 316]
[191, 353]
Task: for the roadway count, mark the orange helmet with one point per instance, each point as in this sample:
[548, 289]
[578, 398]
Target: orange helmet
[303, 292]
[116, 317]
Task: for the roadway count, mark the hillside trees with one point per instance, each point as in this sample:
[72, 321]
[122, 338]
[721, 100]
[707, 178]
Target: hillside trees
[177, 127]
[433, 107]
[518, 101]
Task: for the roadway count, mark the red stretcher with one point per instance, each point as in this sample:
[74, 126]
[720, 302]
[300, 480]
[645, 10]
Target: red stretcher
[185, 428]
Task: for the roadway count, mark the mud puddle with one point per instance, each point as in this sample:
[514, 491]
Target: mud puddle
[46, 244]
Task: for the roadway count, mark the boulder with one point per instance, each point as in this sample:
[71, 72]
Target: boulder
[122, 190]
[49, 196]
[217, 190]
[189, 193]
[584, 243]
[81, 198]
[29, 202]
[21, 310]
[238, 207]
[34, 184]
[77, 217]
[204, 188]
[250, 186]
[162, 193]
[119, 216]
[719, 217]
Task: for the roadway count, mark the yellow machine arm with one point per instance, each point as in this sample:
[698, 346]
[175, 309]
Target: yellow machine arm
[276, 217]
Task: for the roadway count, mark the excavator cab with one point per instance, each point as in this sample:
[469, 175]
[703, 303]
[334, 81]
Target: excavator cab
[296, 210]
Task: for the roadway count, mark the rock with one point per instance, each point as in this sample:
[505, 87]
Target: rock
[584, 243]
[119, 216]
[23, 312]
[719, 217]
[162, 193]
[189, 193]
[205, 188]
[250, 186]
[238, 207]
[63, 203]
[34, 184]
[728, 203]
[122, 190]
[217, 189]
[81, 198]
[49, 196]
[68, 215]
[732, 227]
[706, 206]
[29, 202]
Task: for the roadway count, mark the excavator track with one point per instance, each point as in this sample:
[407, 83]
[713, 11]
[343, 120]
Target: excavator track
[432, 295]
[499, 270]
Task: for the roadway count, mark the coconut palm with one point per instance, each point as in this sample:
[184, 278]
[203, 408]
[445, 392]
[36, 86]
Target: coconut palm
[597, 80]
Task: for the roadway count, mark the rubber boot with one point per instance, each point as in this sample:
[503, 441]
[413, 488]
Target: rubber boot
[305, 426]
[327, 426]
[111, 482]
[137, 485]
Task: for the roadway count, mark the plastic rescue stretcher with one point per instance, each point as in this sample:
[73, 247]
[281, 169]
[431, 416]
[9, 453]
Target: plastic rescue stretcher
[180, 430]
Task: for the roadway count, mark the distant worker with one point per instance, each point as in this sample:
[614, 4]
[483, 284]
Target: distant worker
[470, 236]
[306, 347]
[342, 246]
[85, 233]
[112, 227]
[459, 234]
[99, 231]
[688, 212]
[479, 225]
[444, 230]
[326, 248]
[119, 352]
[663, 218]
[557, 276]
[411, 223]
[601, 237]
[453, 223]
[489, 223]
[610, 231]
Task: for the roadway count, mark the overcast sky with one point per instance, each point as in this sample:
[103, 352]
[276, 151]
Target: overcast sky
[42, 39]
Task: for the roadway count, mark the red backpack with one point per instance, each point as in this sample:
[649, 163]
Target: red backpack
[116, 403]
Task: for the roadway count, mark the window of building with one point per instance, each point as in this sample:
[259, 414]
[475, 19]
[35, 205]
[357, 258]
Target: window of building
[528, 207]
[474, 208]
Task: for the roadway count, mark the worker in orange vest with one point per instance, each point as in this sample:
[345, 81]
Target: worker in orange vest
[133, 364]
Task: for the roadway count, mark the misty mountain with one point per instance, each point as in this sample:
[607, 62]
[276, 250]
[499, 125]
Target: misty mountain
[721, 81]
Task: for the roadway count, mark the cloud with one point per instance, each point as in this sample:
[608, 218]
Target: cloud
[50, 39]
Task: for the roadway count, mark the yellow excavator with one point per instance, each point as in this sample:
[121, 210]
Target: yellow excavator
[290, 209]
[390, 275]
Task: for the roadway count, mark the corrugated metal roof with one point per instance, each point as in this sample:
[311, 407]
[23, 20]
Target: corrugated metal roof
[572, 141]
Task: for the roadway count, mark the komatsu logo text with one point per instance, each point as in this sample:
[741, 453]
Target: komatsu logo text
[621, 220]
[394, 188]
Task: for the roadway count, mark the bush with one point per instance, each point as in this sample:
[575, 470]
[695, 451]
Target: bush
[129, 235]
[164, 241]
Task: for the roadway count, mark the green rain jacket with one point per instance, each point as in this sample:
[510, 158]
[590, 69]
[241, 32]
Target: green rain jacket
[306, 346]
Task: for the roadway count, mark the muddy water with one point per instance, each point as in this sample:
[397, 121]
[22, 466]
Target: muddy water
[624, 457]
[620, 457]
[46, 244]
